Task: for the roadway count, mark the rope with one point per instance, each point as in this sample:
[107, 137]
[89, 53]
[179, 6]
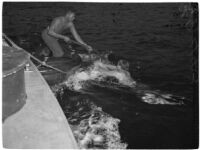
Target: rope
[46, 65]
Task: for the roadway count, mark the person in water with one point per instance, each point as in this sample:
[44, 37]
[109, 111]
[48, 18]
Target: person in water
[55, 31]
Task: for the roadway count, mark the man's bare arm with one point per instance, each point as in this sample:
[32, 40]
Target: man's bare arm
[78, 38]
[76, 35]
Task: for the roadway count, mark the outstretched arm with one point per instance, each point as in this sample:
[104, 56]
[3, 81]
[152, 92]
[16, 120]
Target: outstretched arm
[76, 35]
[78, 38]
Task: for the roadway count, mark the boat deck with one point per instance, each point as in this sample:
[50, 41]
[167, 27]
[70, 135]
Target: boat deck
[41, 122]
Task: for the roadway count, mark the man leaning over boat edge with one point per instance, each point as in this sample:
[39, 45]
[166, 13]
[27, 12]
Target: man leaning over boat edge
[55, 31]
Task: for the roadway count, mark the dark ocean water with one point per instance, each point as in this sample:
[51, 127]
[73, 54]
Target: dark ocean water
[156, 39]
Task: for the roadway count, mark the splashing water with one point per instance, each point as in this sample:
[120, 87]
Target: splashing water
[92, 127]
[104, 70]
[152, 98]
[100, 130]
[99, 71]
[157, 97]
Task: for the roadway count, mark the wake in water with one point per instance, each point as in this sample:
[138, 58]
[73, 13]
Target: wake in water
[102, 71]
[91, 126]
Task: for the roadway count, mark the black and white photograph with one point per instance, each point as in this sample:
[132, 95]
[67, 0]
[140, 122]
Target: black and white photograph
[100, 75]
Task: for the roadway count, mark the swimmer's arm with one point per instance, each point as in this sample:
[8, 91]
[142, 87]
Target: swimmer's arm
[51, 29]
[76, 35]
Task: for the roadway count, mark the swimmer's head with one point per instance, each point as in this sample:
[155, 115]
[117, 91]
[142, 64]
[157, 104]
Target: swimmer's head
[70, 16]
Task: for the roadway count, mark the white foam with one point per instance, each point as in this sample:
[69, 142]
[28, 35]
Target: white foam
[100, 130]
[152, 98]
[99, 71]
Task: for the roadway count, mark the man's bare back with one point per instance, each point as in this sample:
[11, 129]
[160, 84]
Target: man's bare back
[60, 25]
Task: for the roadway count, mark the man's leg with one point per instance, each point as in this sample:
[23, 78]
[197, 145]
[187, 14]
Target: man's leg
[52, 44]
